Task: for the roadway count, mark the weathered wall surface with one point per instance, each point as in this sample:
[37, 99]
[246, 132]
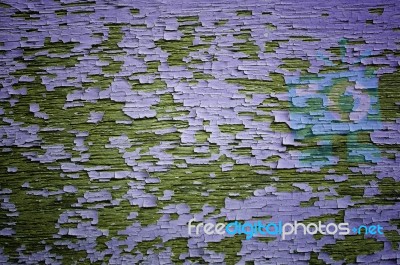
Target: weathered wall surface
[122, 120]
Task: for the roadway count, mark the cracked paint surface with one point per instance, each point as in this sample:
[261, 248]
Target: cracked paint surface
[120, 122]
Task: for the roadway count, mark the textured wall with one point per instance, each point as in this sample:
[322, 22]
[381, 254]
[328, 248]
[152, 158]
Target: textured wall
[122, 120]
